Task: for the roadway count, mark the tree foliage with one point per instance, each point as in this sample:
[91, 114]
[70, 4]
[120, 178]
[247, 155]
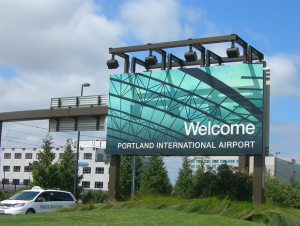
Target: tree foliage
[45, 173]
[67, 170]
[126, 175]
[224, 183]
[183, 183]
[155, 177]
[281, 193]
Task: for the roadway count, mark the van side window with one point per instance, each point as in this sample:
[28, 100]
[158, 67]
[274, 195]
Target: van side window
[60, 196]
[44, 195]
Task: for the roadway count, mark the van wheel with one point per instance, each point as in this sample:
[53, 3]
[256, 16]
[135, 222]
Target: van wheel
[30, 211]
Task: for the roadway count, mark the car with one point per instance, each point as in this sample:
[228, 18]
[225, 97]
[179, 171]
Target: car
[37, 200]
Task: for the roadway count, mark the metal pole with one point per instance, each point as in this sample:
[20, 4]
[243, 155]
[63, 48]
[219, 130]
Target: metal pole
[275, 164]
[133, 177]
[0, 132]
[76, 166]
[77, 148]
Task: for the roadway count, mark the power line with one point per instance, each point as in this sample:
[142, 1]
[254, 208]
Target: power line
[21, 143]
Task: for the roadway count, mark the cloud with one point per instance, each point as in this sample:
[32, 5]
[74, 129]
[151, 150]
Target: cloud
[152, 20]
[53, 46]
[55, 37]
[258, 36]
[284, 75]
[285, 139]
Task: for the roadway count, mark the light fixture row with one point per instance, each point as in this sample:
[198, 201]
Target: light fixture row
[191, 58]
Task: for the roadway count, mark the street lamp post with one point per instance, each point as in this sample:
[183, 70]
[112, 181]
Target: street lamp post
[275, 172]
[77, 148]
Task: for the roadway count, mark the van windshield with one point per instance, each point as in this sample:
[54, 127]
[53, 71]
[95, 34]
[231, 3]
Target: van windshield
[24, 195]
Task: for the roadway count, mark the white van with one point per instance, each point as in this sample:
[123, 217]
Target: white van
[37, 200]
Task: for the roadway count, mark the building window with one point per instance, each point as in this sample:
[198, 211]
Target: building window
[231, 161]
[223, 161]
[26, 182]
[100, 158]
[207, 166]
[27, 169]
[87, 156]
[98, 184]
[6, 168]
[85, 184]
[214, 166]
[28, 155]
[198, 161]
[99, 170]
[18, 155]
[86, 169]
[206, 161]
[192, 166]
[197, 166]
[192, 161]
[5, 181]
[16, 181]
[7, 155]
[17, 168]
[215, 161]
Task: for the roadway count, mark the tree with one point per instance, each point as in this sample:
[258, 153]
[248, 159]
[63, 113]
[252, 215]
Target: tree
[282, 193]
[203, 183]
[46, 174]
[126, 175]
[155, 178]
[67, 170]
[184, 179]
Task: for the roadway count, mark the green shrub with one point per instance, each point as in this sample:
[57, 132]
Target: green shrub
[282, 194]
[93, 196]
[3, 195]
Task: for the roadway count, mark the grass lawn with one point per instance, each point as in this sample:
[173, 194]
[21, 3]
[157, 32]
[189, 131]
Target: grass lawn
[120, 217]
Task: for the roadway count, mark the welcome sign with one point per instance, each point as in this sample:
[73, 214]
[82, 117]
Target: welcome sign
[214, 110]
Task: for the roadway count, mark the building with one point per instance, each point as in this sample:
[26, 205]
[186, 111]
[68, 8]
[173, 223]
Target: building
[93, 163]
[284, 169]
[211, 163]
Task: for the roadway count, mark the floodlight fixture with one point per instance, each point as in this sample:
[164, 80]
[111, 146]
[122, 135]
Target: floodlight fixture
[113, 63]
[191, 55]
[151, 59]
[233, 52]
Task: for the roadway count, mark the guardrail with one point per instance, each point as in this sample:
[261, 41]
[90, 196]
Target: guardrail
[78, 101]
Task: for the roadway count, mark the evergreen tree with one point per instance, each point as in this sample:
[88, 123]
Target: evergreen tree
[67, 170]
[155, 177]
[44, 172]
[184, 179]
[126, 175]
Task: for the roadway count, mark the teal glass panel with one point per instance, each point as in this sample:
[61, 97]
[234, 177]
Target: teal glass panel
[188, 111]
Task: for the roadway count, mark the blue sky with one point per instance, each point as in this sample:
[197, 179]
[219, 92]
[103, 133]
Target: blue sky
[48, 48]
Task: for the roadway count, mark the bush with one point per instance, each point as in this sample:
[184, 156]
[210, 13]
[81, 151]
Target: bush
[3, 195]
[282, 194]
[225, 183]
[93, 196]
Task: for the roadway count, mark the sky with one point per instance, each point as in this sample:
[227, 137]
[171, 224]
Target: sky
[48, 48]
